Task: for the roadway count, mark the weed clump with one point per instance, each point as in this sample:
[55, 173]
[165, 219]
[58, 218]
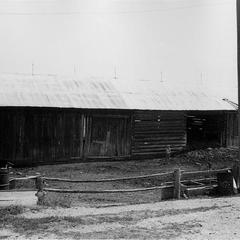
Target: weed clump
[56, 200]
[11, 210]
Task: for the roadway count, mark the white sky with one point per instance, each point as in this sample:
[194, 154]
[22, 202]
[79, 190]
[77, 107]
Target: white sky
[192, 42]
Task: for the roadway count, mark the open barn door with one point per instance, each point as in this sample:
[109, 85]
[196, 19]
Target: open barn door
[205, 130]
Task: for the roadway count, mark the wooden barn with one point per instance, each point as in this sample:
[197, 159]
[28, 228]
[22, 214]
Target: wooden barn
[49, 119]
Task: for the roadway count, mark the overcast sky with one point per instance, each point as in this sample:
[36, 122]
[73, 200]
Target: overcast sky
[192, 42]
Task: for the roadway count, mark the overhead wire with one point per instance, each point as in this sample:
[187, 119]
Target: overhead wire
[118, 12]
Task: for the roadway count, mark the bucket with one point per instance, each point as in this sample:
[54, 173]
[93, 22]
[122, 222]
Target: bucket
[4, 179]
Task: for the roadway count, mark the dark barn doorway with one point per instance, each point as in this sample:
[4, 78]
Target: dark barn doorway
[205, 130]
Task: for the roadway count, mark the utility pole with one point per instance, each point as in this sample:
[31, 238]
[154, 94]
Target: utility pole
[32, 68]
[115, 73]
[75, 70]
[238, 70]
[201, 81]
[161, 78]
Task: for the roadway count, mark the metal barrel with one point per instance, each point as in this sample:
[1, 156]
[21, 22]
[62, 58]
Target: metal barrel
[225, 183]
[4, 179]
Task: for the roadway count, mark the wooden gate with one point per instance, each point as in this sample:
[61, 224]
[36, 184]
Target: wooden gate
[106, 136]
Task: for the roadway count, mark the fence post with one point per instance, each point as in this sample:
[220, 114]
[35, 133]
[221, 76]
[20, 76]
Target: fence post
[236, 173]
[12, 184]
[39, 183]
[40, 193]
[177, 183]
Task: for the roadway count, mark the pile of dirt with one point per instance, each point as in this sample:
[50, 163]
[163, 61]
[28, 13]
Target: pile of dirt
[204, 159]
[210, 156]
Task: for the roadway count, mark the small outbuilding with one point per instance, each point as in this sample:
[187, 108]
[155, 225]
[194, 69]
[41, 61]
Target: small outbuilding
[50, 119]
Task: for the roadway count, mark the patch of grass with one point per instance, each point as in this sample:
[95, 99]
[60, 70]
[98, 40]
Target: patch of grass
[90, 220]
[29, 227]
[11, 210]
[7, 214]
[33, 224]
[57, 224]
[57, 200]
[125, 232]
[173, 230]
[9, 218]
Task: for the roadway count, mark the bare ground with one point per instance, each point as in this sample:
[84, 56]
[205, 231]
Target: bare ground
[197, 160]
[124, 216]
[206, 218]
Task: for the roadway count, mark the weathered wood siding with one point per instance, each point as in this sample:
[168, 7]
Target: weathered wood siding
[33, 136]
[42, 136]
[232, 130]
[29, 137]
[153, 131]
[109, 136]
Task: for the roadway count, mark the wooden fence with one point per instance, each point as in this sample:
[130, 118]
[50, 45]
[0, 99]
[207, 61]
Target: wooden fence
[173, 184]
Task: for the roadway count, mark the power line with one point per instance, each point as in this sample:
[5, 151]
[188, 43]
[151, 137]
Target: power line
[116, 12]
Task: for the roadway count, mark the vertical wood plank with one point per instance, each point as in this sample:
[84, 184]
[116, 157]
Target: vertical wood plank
[131, 133]
[81, 135]
[177, 183]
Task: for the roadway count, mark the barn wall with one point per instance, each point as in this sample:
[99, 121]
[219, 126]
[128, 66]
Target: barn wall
[33, 136]
[30, 137]
[232, 129]
[154, 130]
[109, 136]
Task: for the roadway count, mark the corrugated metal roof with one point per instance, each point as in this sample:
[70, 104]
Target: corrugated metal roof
[70, 92]
[63, 92]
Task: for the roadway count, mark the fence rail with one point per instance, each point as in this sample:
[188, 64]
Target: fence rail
[24, 178]
[206, 172]
[162, 175]
[105, 191]
[173, 182]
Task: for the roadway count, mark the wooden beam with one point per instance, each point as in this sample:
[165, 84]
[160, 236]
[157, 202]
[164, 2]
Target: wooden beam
[238, 69]
[159, 175]
[104, 191]
[177, 184]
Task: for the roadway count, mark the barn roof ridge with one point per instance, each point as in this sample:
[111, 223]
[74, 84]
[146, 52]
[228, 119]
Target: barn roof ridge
[39, 90]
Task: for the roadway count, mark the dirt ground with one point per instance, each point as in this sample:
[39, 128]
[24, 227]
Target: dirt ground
[124, 216]
[206, 218]
[196, 160]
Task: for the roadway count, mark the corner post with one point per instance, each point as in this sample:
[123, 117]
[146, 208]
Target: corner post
[40, 193]
[236, 173]
[39, 183]
[238, 70]
[177, 183]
